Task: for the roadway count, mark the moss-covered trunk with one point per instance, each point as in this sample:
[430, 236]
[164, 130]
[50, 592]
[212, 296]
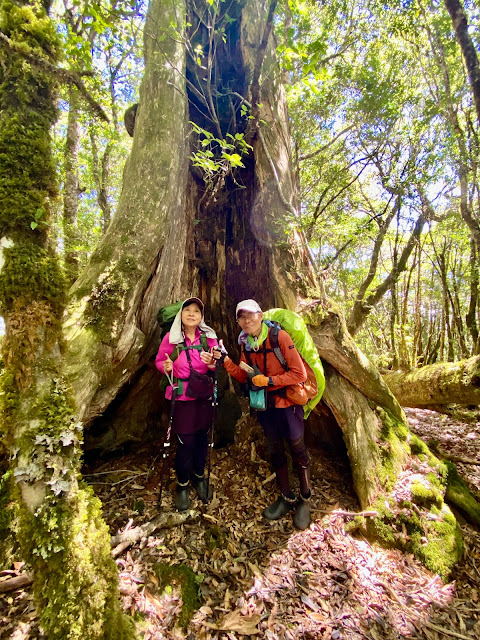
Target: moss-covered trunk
[234, 221]
[438, 384]
[62, 535]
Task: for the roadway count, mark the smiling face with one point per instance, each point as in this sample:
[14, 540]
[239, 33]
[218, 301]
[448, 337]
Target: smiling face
[191, 316]
[250, 322]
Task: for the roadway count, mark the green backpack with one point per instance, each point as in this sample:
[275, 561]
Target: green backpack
[294, 325]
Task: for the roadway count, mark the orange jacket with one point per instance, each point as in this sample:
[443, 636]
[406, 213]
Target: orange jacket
[274, 369]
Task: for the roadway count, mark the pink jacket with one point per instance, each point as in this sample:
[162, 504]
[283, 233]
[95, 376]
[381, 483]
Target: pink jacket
[181, 368]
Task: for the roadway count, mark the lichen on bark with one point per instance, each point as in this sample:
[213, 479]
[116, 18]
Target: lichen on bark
[62, 536]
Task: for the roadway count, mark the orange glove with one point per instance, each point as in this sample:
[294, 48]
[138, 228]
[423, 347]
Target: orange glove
[260, 381]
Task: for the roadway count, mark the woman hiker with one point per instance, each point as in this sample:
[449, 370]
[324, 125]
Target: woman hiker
[191, 341]
[282, 419]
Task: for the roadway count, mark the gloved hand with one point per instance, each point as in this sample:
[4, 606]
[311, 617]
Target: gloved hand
[260, 381]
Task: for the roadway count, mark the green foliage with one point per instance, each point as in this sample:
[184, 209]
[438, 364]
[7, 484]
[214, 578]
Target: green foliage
[218, 157]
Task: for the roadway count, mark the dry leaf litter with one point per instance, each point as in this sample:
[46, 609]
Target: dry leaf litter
[260, 579]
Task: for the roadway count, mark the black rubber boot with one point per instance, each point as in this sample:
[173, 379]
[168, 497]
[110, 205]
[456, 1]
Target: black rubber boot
[200, 486]
[301, 517]
[279, 508]
[182, 501]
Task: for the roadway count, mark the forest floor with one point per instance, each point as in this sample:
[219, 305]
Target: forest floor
[259, 579]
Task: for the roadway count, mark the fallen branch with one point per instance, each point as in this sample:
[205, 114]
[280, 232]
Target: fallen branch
[348, 513]
[163, 521]
[16, 582]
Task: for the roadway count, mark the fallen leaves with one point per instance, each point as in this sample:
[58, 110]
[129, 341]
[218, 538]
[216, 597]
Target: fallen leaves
[265, 579]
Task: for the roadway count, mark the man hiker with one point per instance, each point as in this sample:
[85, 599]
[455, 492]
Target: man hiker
[282, 420]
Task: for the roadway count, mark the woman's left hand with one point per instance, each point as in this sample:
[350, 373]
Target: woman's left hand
[207, 357]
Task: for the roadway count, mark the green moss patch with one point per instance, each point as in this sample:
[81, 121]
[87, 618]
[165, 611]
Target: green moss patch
[215, 538]
[9, 549]
[183, 578]
[392, 446]
[459, 495]
[432, 536]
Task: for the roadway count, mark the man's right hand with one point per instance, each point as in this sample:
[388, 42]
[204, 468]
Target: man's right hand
[167, 364]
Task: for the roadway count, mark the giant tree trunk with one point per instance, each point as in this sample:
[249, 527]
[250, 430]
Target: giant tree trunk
[438, 384]
[62, 535]
[227, 233]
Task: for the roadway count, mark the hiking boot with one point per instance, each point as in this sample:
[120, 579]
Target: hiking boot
[301, 517]
[279, 508]
[200, 486]
[182, 501]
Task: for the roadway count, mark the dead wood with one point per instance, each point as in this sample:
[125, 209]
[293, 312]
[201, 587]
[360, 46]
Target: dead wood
[163, 521]
[17, 582]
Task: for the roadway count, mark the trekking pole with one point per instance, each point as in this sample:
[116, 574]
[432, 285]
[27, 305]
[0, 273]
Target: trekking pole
[167, 444]
[214, 405]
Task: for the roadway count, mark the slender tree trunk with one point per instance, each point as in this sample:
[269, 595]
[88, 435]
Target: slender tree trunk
[357, 312]
[471, 317]
[460, 25]
[405, 355]
[400, 266]
[418, 323]
[101, 175]
[71, 189]
[393, 325]
[457, 315]
[60, 528]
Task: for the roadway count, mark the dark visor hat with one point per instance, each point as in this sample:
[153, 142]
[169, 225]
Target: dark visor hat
[197, 300]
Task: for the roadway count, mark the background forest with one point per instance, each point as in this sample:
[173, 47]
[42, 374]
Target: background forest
[386, 147]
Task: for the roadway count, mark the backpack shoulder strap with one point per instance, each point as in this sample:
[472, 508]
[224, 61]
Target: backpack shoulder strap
[273, 336]
[204, 342]
[175, 353]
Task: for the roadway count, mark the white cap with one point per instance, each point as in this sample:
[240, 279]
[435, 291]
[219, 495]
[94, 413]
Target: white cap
[248, 305]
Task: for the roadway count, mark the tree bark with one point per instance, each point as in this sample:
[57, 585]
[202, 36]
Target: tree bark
[139, 260]
[71, 189]
[438, 384]
[471, 317]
